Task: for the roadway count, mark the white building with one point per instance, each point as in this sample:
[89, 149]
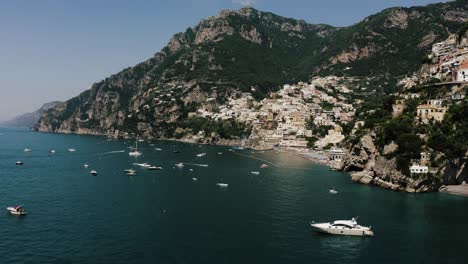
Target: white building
[418, 169]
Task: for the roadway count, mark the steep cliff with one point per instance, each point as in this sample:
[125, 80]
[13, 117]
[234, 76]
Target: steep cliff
[367, 166]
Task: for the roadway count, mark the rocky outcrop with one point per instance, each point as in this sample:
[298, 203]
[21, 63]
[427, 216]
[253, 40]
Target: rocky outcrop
[455, 172]
[367, 166]
[353, 54]
[397, 18]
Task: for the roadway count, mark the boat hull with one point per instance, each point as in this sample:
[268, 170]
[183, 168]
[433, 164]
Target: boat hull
[343, 231]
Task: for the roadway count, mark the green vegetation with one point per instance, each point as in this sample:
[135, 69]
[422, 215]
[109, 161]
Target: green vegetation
[227, 129]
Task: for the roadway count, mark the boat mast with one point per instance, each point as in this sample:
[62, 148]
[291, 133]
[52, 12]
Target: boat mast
[136, 144]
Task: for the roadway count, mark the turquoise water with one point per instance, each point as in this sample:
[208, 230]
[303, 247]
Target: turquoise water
[166, 217]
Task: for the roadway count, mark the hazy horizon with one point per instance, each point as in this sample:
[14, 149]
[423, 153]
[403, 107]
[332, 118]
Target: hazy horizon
[54, 50]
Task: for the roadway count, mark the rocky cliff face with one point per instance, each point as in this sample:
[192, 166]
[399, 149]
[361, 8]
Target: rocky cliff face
[248, 50]
[367, 166]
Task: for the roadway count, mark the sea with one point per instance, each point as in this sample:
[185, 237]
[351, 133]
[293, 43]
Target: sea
[180, 215]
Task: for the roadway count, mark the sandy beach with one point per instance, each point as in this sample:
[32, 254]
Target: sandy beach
[456, 189]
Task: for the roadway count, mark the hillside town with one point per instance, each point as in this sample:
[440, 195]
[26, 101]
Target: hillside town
[286, 118]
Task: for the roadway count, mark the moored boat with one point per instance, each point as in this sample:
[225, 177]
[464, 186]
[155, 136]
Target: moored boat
[154, 168]
[263, 166]
[71, 150]
[130, 172]
[333, 191]
[19, 163]
[27, 150]
[143, 165]
[343, 227]
[135, 152]
[93, 172]
[16, 210]
[222, 185]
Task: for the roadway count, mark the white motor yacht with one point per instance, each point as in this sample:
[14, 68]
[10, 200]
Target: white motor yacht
[333, 191]
[255, 172]
[27, 150]
[16, 210]
[201, 155]
[154, 168]
[71, 150]
[343, 227]
[52, 151]
[19, 163]
[93, 172]
[222, 185]
[180, 165]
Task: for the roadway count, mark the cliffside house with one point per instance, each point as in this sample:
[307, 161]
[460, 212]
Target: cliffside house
[336, 154]
[418, 169]
[433, 110]
[462, 74]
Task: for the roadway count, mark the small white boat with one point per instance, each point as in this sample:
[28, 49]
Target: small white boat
[158, 149]
[16, 210]
[263, 166]
[154, 168]
[255, 172]
[201, 155]
[71, 150]
[52, 151]
[86, 165]
[343, 227]
[220, 153]
[130, 172]
[194, 179]
[27, 150]
[93, 172]
[222, 185]
[141, 140]
[179, 165]
[333, 191]
[143, 165]
[190, 170]
[19, 163]
[135, 152]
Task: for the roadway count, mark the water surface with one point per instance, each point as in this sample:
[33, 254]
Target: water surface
[166, 217]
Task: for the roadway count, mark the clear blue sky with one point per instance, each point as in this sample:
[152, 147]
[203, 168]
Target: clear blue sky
[55, 49]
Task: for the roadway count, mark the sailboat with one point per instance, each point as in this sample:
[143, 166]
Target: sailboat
[135, 152]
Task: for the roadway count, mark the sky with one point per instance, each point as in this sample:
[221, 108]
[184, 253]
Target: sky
[55, 49]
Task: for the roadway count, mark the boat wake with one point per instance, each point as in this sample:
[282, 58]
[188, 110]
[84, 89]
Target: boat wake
[195, 164]
[113, 152]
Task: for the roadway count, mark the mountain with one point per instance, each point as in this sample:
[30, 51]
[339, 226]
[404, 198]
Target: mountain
[29, 119]
[247, 50]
